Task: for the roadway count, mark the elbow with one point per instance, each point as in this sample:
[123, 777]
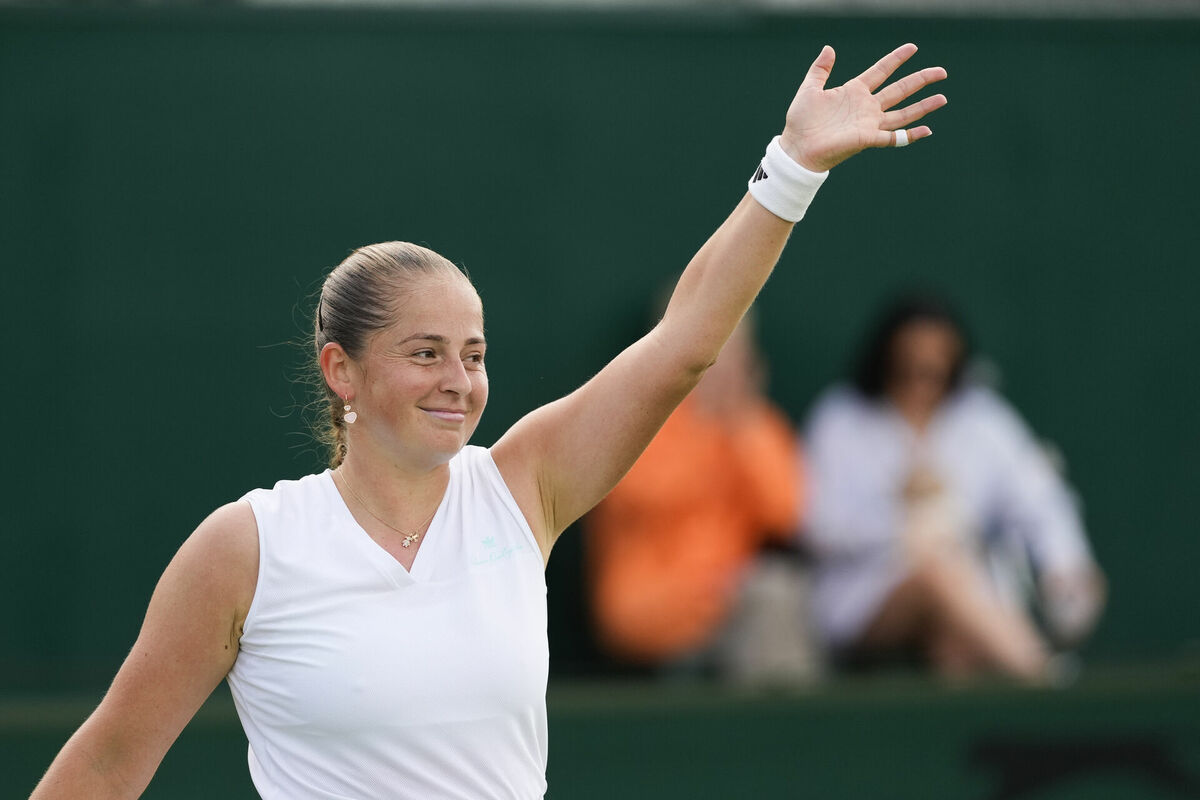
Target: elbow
[686, 376]
[96, 762]
[685, 362]
[693, 367]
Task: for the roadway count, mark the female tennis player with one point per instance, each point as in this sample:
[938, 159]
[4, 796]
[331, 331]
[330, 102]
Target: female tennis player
[382, 624]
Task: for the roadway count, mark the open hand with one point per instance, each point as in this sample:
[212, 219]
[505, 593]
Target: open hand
[827, 126]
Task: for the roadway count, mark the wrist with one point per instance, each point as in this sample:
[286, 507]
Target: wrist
[783, 186]
[793, 150]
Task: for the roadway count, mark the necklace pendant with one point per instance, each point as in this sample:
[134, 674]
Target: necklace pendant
[408, 540]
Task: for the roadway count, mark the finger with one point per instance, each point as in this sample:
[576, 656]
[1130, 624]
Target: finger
[919, 132]
[903, 117]
[889, 138]
[818, 73]
[909, 85]
[884, 67]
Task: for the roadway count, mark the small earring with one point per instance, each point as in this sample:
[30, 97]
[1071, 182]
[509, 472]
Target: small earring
[349, 415]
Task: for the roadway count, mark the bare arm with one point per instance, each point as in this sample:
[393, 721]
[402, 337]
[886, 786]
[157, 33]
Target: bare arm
[564, 457]
[187, 644]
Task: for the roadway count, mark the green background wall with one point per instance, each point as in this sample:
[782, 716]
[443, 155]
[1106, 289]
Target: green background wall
[175, 184]
[1104, 741]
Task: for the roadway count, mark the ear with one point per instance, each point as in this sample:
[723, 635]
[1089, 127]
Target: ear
[338, 369]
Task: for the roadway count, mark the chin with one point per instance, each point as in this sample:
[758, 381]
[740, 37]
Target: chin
[444, 443]
[446, 448]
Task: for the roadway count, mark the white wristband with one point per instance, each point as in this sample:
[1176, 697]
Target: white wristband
[782, 186]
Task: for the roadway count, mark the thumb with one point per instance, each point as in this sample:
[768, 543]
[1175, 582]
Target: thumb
[818, 73]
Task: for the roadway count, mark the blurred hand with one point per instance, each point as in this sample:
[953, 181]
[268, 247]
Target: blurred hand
[933, 519]
[1072, 602]
[827, 126]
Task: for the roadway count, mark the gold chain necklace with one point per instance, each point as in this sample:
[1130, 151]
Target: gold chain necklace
[409, 538]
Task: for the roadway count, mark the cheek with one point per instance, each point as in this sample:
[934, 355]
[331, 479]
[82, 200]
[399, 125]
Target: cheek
[480, 390]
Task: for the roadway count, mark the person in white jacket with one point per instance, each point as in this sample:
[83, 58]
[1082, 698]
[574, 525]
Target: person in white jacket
[926, 491]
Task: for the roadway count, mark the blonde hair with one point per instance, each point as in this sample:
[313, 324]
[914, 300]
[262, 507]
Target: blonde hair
[358, 298]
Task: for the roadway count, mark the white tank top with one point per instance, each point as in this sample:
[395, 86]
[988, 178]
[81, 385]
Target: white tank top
[358, 679]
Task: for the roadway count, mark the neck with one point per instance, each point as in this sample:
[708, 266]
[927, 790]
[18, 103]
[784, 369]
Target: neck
[400, 496]
[917, 418]
[917, 412]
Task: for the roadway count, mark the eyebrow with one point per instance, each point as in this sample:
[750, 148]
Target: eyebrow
[434, 337]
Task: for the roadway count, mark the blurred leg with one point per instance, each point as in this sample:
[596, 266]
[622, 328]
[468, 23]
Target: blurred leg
[943, 607]
[952, 658]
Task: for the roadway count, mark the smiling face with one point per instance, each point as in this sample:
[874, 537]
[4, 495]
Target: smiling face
[421, 384]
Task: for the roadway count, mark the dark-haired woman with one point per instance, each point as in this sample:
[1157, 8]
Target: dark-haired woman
[926, 495]
[383, 624]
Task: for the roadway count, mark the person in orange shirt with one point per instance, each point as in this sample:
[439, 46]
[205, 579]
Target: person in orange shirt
[673, 546]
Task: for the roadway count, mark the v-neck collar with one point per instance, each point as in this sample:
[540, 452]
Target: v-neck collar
[384, 561]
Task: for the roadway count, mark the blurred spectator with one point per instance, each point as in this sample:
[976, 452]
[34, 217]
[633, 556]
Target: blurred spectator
[672, 548]
[928, 495]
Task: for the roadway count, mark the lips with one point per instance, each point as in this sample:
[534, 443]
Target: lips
[446, 414]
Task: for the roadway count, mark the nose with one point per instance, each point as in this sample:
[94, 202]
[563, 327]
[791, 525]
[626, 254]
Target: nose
[455, 379]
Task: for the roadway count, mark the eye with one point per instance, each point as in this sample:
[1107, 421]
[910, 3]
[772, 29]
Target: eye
[475, 358]
[425, 354]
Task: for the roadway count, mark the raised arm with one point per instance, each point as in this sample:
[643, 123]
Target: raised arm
[187, 644]
[564, 457]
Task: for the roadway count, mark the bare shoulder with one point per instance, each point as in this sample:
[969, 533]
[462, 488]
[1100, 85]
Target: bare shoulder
[230, 531]
[221, 555]
[189, 638]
